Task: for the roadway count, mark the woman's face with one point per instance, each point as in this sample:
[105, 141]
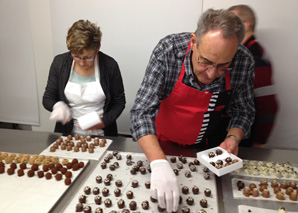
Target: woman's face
[85, 60]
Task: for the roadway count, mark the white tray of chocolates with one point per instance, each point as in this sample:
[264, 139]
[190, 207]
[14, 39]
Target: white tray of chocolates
[78, 147]
[253, 209]
[274, 170]
[34, 183]
[219, 161]
[274, 190]
[129, 186]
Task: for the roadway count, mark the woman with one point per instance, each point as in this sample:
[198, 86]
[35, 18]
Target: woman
[82, 82]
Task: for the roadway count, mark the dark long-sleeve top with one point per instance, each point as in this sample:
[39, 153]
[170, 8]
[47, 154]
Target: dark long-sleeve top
[110, 80]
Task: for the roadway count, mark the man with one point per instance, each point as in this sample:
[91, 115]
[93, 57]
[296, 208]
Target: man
[265, 97]
[192, 80]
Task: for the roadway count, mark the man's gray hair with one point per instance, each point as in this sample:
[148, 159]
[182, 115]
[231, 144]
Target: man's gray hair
[229, 24]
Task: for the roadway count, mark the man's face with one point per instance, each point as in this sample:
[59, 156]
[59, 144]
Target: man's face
[212, 56]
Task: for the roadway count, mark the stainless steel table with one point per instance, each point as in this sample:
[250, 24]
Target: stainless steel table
[20, 141]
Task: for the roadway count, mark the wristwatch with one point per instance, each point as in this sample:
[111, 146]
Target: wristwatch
[234, 136]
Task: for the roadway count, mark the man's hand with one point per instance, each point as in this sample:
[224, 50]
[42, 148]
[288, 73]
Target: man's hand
[231, 145]
[164, 186]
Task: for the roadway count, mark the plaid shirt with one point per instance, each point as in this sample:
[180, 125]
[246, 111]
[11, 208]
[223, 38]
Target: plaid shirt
[163, 71]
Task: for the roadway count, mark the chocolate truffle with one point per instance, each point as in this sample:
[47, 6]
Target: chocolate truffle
[75, 167]
[218, 151]
[108, 202]
[118, 157]
[145, 205]
[140, 163]
[255, 192]
[23, 166]
[79, 207]
[103, 165]
[228, 160]
[134, 184]
[98, 210]
[110, 176]
[48, 175]
[293, 196]
[202, 211]
[129, 194]
[289, 190]
[266, 193]
[128, 156]
[246, 191]
[40, 174]
[173, 159]
[95, 191]
[206, 176]
[176, 171]
[67, 181]
[82, 199]
[143, 170]
[292, 184]
[68, 174]
[128, 162]
[240, 184]
[116, 164]
[30, 173]
[58, 176]
[252, 186]
[207, 192]
[121, 204]
[195, 190]
[185, 190]
[20, 172]
[98, 179]
[212, 163]
[179, 166]
[211, 155]
[117, 192]
[87, 190]
[112, 167]
[276, 189]
[204, 203]
[105, 192]
[97, 200]
[280, 195]
[133, 171]
[205, 169]
[34, 167]
[187, 174]
[196, 162]
[283, 185]
[107, 182]
[118, 183]
[189, 201]
[63, 170]
[147, 184]
[185, 209]
[87, 209]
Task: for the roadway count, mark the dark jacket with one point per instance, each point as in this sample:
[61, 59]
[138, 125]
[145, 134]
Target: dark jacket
[110, 80]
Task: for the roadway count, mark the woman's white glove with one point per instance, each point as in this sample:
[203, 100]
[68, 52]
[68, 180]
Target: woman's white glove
[164, 185]
[61, 112]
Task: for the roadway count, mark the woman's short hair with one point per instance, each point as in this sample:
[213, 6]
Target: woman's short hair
[83, 35]
[229, 24]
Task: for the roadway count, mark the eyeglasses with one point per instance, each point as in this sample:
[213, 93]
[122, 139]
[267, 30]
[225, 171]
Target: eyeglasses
[87, 59]
[210, 65]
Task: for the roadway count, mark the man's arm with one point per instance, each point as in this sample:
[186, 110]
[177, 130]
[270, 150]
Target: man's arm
[231, 142]
[151, 147]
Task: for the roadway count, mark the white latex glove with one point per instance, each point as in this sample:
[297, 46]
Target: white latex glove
[61, 112]
[164, 185]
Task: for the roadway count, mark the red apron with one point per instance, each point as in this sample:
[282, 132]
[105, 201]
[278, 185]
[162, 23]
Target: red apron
[187, 115]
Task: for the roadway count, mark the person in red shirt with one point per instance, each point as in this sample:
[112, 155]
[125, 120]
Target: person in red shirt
[265, 96]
